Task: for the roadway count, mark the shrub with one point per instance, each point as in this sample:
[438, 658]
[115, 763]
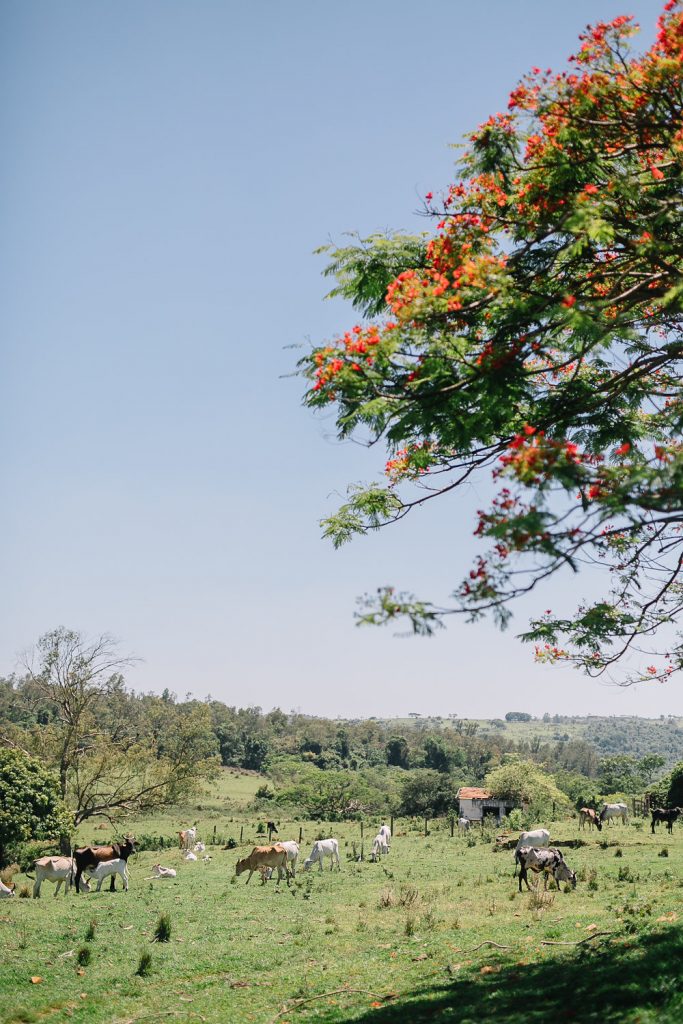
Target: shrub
[84, 956]
[144, 964]
[162, 932]
[664, 852]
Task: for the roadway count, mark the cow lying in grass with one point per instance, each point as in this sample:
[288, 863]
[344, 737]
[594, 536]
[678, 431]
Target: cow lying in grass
[548, 861]
[7, 890]
[265, 856]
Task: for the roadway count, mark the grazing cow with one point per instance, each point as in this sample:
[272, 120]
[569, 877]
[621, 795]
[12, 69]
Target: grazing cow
[87, 857]
[385, 831]
[669, 816]
[587, 814]
[379, 846]
[548, 861]
[463, 824]
[265, 856]
[539, 837]
[610, 811]
[323, 848]
[7, 890]
[160, 872]
[292, 849]
[55, 869]
[110, 868]
[187, 838]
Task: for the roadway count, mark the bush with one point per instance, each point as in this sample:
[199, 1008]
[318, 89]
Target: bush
[162, 932]
[144, 964]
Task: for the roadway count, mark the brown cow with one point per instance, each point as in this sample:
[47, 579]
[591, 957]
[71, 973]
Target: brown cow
[264, 856]
[90, 856]
[587, 814]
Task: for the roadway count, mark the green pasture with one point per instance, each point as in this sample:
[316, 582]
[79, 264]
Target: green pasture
[416, 937]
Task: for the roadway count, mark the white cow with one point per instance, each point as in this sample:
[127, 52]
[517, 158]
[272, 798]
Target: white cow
[187, 837]
[107, 868]
[190, 855]
[6, 890]
[292, 849]
[463, 824]
[610, 811]
[199, 847]
[161, 872]
[379, 846]
[56, 869]
[539, 837]
[323, 848]
[385, 831]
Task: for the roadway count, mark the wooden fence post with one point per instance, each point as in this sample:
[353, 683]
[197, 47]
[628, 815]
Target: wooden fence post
[213, 841]
[425, 826]
[241, 832]
[391, 824]
[301, 834]
[452, 825]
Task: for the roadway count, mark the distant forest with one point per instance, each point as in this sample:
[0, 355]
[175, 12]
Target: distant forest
[619, 753]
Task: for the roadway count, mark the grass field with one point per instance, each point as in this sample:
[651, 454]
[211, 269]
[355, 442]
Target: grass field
[397, 941]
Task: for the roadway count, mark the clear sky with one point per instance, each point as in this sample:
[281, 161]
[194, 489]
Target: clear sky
[167, 169]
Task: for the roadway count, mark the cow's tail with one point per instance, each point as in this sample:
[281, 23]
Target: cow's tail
[30, 876]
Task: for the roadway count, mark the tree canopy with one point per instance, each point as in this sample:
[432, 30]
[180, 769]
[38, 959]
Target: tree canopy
[534, 335]
[30, 803]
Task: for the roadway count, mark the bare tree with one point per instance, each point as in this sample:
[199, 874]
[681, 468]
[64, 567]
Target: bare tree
[105, 767]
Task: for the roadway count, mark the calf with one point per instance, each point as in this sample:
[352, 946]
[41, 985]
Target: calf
[160, 872]
[55, 869]
[264, 856]
[87, 857]
[669, 816]
[187, 838]
[107, 868]
[539, 837]
[323, 848]
[463, 824]
[379, 846]
[7, 890]
[548, 861]
[587, 814]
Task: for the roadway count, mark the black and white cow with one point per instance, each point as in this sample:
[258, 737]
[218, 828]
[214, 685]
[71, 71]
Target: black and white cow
[548, 861]
[669, 816]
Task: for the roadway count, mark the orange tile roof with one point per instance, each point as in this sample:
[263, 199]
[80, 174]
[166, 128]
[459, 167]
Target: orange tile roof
[473, 793]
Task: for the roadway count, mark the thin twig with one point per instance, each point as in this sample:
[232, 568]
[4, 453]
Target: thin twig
[486, 942]
[579, 942]
[321, 995]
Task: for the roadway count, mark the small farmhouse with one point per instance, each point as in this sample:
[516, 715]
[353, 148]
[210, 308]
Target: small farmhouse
[475, 804]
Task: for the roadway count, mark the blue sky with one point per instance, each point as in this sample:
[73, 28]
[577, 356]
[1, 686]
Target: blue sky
[167, 170]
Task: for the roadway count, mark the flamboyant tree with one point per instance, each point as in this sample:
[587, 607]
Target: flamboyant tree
[536, 335]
